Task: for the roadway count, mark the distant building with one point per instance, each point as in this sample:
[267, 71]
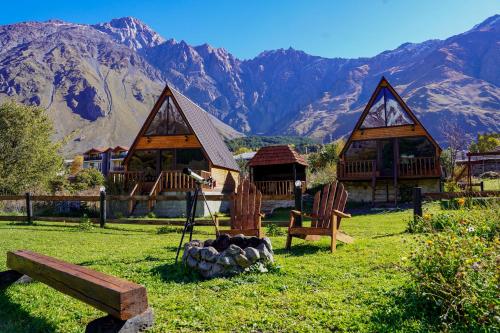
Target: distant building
[105, 159]
[245, 156]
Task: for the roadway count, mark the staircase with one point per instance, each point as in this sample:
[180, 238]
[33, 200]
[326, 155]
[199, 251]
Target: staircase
[140, 209]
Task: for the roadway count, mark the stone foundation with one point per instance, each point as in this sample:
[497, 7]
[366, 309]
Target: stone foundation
[360, 192]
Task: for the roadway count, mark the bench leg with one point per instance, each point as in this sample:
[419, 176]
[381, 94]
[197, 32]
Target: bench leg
[110, 324]
[13, 277]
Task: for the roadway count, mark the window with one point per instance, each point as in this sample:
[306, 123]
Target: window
[190, 158]
[168, 121]
[386, 111]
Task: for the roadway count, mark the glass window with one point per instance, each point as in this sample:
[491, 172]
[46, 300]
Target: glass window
[386, 111]
[190, 158]
[145, 161]
[168, 159]
[168, 121]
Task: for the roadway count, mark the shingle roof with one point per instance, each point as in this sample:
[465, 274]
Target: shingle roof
[277, 155]
[206, 132]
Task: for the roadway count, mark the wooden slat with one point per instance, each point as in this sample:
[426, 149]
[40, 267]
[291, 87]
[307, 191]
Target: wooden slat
[12, 197]
[388, 132]
[329, 206]
[65, 198]
[322, 205]
[315, 209]
[310, 231]
[169, 141]
[117, 297]
[244, 203]
[250, 221]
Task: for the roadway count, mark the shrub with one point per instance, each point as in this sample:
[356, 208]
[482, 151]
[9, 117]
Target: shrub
[151, 215]
[456, 268]
[85, 223]
[87, 179]
[274, 230]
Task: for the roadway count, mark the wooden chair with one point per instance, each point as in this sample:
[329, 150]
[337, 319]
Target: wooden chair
[245, 211]
[328, 210]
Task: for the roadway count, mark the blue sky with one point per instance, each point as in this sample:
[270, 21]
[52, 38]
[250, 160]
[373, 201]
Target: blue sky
[329, 28]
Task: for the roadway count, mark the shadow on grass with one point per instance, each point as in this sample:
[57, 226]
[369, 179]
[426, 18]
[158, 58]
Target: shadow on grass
[407, 312]
[177, 273]
[306, 249]
[389, 235]
[13, 318]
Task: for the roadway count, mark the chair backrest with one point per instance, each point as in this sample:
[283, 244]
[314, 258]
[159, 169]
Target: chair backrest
[332, 197]
[245, 206]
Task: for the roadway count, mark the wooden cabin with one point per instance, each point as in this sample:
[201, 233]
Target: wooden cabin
[274, 170]
[177, 134]
[388, 152]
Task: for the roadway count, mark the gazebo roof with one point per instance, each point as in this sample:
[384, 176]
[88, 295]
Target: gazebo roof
[273, 155]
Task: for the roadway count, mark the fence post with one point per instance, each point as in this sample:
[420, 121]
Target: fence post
[417, 202]
[482, 186]
[102, 206]
[29, 208]
[299, 205]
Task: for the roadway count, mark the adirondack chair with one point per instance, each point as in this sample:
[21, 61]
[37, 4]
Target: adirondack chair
[328, 210]
[245, 211]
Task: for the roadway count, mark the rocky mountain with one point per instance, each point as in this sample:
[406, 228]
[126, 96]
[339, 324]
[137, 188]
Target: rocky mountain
[104, 78]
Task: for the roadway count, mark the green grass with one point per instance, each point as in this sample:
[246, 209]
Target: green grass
[359, 288]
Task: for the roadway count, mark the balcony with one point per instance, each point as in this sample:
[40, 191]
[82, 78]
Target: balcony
[92, 157]
[118, 156]
[408, 167]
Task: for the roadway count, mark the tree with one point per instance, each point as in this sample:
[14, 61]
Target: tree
[29, 160]
[454, 136]
[329, 154]
[485, 142]
[88, 179]
[76, 165]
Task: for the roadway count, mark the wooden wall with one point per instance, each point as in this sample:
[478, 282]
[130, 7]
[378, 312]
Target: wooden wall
[226, 180]
[170, 141]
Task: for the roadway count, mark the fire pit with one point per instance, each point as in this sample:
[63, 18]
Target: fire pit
[226, 255]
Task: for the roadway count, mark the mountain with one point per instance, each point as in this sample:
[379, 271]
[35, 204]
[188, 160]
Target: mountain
[104, 79]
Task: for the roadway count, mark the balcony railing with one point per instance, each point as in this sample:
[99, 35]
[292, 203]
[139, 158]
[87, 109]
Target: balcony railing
[418, 166]
[277, 187]
[407, 167]
[358, 169]
[92, 157]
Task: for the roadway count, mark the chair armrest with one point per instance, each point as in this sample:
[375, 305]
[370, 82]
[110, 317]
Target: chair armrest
[296, 212]
[341, 214]
[262, 215]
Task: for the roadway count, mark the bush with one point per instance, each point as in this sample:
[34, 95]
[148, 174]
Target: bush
[274, 230]
[85, 223]
[87, 179]
[456, 269]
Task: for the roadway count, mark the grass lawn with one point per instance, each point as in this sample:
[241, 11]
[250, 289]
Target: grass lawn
[355, 289]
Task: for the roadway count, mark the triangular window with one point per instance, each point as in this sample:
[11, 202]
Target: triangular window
[386, 111]
[168, 121]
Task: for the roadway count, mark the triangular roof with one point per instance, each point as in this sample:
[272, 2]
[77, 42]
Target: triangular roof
[386, 108]
[272, 155]
[200, 125]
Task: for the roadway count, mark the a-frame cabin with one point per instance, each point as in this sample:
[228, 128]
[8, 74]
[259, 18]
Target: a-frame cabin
[177, 134]
[388, 152]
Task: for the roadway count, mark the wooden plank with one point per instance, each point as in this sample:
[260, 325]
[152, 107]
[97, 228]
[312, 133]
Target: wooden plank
[168, 141]
[344, 238]
[244, 203]
[322, 205]
[252, 214]
[388, 132]
[452, 195]
[310, 231]
[65, 198]
[12, 197]
[117, 297]
[329, 206]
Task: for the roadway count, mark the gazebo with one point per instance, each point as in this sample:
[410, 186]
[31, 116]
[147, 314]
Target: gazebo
[275, 169]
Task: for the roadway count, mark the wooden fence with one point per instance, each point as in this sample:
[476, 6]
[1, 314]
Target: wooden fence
[419, 197]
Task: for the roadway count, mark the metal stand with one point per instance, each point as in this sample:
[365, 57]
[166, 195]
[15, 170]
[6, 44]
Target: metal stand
[190, 220]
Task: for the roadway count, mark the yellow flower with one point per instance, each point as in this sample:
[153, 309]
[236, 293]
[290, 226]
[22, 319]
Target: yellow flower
[461, 201]
[429, 242]
[427, 216]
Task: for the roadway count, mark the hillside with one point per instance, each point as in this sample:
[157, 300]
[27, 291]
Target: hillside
[104, 78]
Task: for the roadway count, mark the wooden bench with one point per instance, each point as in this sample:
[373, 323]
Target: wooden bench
[121, 299]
